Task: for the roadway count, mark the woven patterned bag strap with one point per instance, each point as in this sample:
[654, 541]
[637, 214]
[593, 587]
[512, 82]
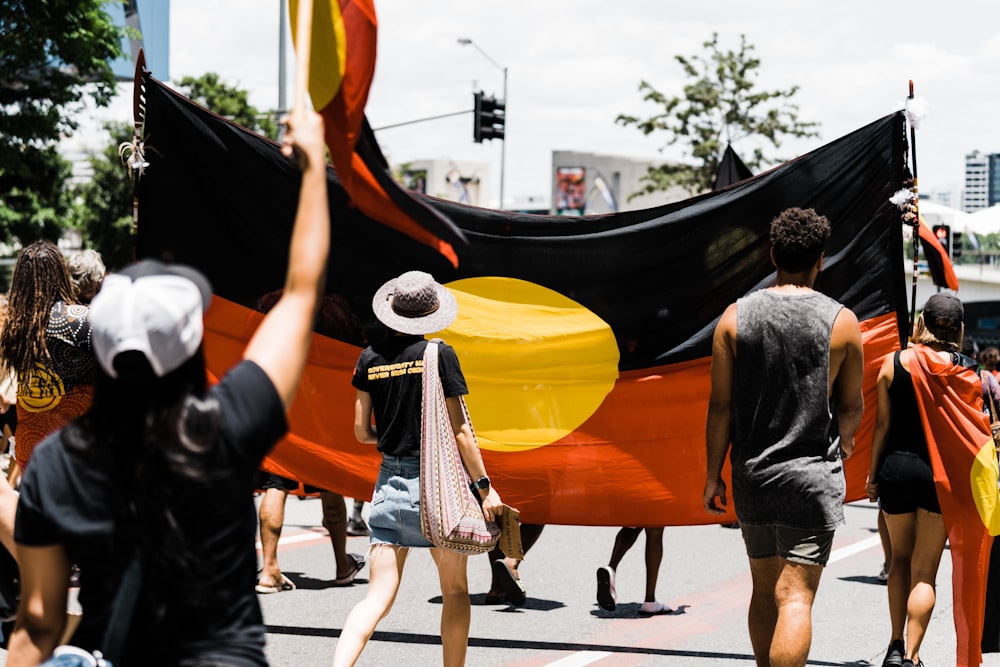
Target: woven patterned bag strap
[430, 504]
[444, 482]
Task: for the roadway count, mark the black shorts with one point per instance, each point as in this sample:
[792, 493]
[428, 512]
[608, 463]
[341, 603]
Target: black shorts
[906, 483]
[268, 480]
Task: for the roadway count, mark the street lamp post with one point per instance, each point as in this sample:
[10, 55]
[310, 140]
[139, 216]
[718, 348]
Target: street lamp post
[465, 41]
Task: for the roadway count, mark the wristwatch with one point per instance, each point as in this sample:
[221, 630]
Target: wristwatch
[482, 483]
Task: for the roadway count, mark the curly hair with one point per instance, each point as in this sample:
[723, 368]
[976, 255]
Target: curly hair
[797, 237]
[87, 270]
[40, 278]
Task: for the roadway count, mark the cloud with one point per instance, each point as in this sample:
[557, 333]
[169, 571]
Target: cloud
[574, 66]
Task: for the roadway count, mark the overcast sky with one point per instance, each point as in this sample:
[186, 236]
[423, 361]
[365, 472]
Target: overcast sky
[574, 66]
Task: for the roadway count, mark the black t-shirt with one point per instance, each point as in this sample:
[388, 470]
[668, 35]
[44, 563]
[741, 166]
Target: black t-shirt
[392, 372]
[210, 609]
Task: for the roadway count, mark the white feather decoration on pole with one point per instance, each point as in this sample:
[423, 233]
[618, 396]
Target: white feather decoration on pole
[902, 198]
[132, 155]
[916, 109]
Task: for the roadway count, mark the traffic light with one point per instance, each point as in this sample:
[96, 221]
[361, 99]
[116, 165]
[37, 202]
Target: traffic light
[489, 118]
[943, 234]
[956, 245]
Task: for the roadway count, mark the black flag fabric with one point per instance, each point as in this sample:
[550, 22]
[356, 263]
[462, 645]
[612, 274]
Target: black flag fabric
[731, 170]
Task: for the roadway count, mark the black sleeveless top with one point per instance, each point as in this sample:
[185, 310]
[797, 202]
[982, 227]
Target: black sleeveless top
[906, 432]
[787, 468]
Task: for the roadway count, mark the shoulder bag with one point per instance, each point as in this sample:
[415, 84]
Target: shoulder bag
[450, 514]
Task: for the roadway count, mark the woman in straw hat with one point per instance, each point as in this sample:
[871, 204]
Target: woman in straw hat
[158, 473]
[389, 386]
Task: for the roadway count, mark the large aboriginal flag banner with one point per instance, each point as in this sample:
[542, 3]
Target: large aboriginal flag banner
[585, 341]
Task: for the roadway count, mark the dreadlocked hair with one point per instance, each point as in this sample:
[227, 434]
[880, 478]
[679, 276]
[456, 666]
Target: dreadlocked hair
[40, 278]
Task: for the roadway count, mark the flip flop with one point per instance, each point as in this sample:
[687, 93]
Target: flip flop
[510, 583]
[359, 562]
[655, 609]
[285, 585]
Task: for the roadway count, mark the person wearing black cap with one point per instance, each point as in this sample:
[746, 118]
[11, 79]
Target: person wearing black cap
[901, 479]
[388, 379]
[159, 472]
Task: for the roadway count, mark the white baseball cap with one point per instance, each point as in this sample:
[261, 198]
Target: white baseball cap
[152, 308]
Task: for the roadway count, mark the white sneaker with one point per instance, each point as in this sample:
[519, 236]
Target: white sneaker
[883, 574]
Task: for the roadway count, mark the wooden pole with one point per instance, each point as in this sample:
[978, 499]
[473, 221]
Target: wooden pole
[303, 47]
[915, 208]
[138, 118]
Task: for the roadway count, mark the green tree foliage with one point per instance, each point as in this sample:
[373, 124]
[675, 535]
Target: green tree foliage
[52, 54]
[229, 102]
[104, 204]
[720, 105]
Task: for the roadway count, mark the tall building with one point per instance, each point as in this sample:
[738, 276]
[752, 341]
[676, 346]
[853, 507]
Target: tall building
[982, 181]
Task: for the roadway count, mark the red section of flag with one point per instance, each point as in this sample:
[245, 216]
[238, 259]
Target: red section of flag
[650, 430]
[938, 262]
[951, 409]
[375, 193]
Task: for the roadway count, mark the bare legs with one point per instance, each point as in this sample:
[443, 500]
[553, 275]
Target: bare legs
[780, 616]
[624, 541]
[386, 563]
[918, 540]
[883, 534]
[530, 532]
[456, 611]
[272, 518]
[335, 522]
[385, 571]
[654, 556]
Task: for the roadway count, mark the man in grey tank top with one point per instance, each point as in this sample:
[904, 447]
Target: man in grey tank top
[787, 366]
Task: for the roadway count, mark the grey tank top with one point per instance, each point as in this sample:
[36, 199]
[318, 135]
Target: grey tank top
[787, 468]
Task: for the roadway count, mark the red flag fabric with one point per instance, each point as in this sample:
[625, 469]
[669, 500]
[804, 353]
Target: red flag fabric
[342, 64]
[964, 460]
[938, 262]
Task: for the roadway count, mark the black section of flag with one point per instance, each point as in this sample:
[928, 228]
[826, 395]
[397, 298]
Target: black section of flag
[731, 170]
[222, 199]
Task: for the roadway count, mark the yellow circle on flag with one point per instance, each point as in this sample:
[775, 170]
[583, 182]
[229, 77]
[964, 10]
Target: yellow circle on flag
[327, 52]
[983, 478]
[537, 363]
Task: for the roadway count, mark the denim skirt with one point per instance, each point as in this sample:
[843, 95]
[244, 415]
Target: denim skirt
[395, 512]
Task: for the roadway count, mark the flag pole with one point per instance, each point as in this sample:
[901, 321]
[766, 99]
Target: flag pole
[915, 211]
[302, 52]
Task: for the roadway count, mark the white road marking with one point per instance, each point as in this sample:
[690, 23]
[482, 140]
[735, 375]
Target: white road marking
[580, 659]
